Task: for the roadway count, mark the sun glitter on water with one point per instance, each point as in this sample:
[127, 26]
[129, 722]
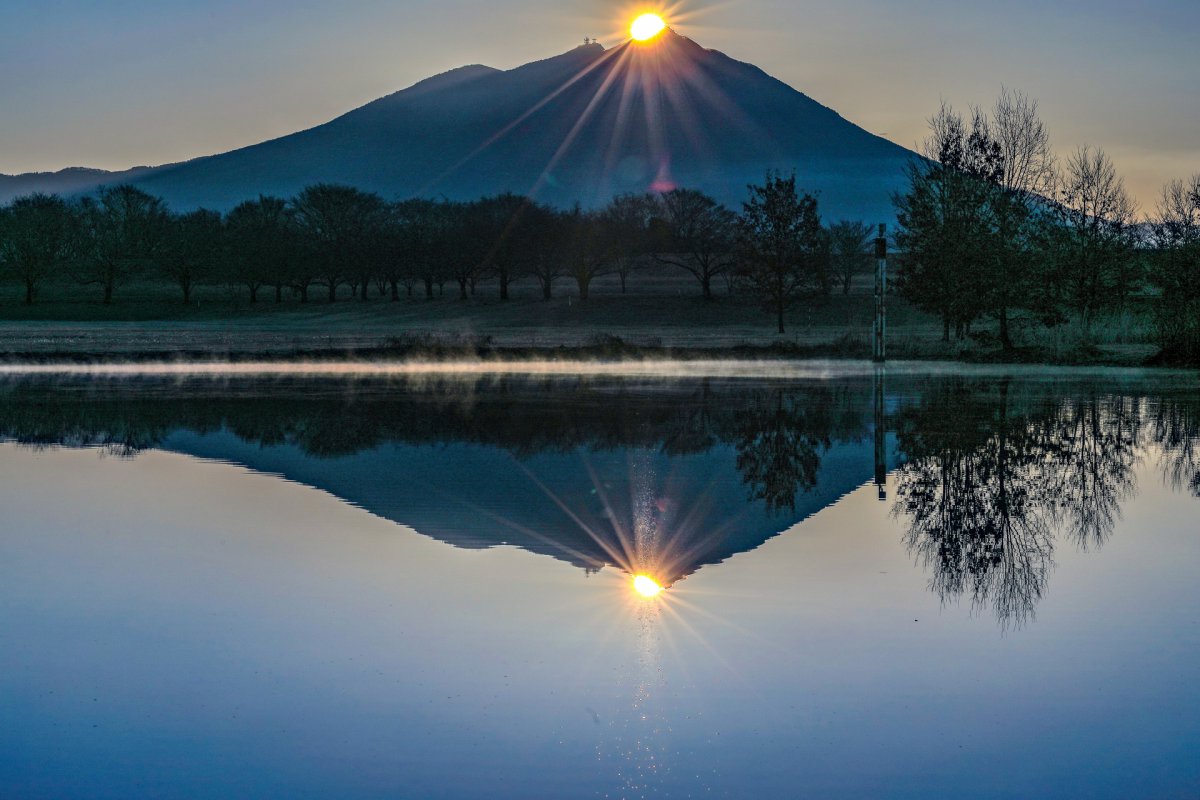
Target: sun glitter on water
[646, 27]
[646, 586]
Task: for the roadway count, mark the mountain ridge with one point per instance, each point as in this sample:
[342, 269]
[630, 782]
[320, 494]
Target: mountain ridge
[580, 126]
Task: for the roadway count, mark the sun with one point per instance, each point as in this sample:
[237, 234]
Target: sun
[646, 586]
[646, 27]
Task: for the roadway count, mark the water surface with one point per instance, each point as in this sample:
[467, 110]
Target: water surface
[920, 584]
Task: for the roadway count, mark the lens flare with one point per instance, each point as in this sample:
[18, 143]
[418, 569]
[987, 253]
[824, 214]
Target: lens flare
[646, 586]
[646, 27]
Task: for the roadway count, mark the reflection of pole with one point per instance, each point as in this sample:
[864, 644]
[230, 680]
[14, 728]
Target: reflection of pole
[878, 346]
[880, 436]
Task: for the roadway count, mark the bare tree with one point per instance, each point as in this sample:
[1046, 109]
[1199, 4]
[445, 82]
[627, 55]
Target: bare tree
[1176, 269]
[627, 220]
[1027, 158]
[587, 252]
[1097, 233]
[850, 246]
[698, 235]
[124, 231]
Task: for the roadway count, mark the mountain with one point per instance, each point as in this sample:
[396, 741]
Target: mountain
[578, 127]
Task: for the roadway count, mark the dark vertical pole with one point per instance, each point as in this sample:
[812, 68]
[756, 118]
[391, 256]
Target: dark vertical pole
[880, 434]
[879, 338]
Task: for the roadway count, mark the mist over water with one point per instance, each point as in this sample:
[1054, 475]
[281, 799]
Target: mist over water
[362, 580]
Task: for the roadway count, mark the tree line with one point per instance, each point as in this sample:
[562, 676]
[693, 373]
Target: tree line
[330, 237]
[993, 226]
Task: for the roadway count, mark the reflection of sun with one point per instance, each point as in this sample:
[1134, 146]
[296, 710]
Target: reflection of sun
[646, 586]
[646, 27]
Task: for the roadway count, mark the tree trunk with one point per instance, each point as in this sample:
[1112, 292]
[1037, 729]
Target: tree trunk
[584, 283]
[503, 285]
[29, 293]
[187, 294]
[304, 293]
[428, 288]
[395, 285]
[462, 288]
[1005, 340]
[945, 329]
[108, 292]
[332, 292]
[366, 284]
[253, 294]
[547, 288]
[779, 312]
[279, 293]
[623, 283]
[706, 286]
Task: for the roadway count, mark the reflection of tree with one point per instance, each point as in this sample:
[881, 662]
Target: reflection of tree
[781, 434]
[1091, 444]
[979, 517]
[993, 472]
[1175, 426]
[776, 455]
[777, 432]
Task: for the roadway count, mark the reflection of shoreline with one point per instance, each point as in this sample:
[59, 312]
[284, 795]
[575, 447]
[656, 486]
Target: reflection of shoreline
[585, 468]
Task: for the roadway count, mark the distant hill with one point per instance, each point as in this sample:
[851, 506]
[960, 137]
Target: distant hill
[69, 181]
[578, 127]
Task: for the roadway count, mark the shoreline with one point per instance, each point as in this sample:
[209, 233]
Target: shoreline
[433, 355]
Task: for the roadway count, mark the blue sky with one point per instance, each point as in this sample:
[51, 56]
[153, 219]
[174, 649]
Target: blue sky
[122, 82]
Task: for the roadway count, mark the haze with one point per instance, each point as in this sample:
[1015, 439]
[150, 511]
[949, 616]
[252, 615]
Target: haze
[129, 82]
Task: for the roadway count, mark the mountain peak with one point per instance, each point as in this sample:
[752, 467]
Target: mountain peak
[582, 126]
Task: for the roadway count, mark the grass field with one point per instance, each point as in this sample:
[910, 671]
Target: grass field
[661, 309]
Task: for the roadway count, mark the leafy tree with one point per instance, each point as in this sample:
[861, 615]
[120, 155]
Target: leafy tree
[123, 234]
[264, 245]
[38, 238]
[947, 221]
[781, 244]
[193, 248]
[697, 235]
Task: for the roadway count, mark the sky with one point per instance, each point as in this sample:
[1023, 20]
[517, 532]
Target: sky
[118, 83]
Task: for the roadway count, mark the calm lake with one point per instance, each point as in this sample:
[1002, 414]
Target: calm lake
[933, 582]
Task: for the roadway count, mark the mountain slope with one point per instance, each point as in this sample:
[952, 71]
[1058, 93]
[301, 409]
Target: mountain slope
[578, 127]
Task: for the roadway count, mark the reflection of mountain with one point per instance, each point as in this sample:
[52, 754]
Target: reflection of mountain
[990, 475]
[474, 496]
[659, 476]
